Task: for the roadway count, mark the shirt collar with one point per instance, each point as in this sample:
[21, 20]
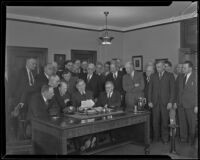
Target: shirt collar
[45, 100]
[188, 75]
[28, 70]
[46, 75]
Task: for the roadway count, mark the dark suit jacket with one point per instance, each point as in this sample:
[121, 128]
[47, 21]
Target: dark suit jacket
[128, 83]
[161, 90]
[93, 85]
[117, 82]
[77, 98]
[102, 79]
[23, 89]
[60, 99]
[146, 86]
[115, 99]
[188, 94]
[37, 107]
[71, 85]
[41, 79]
[178, 88]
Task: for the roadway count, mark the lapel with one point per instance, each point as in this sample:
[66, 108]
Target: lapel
[134, 76]
[25, 72]
[46, 106]
[189, 80]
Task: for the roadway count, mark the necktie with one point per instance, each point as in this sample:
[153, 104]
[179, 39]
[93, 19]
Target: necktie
[31, 78]
[148, 78]
[46, 102]
[160, 75]
[88, 77]
[114, 75]
[184, 80]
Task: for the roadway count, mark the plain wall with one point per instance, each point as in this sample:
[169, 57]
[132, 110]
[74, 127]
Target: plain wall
[60, 40]
[153, 43]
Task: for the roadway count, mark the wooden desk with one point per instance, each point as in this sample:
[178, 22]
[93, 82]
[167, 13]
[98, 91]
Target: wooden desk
[49, 136]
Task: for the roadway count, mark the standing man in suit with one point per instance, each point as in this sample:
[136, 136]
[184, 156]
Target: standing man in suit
[39, 103]
[120, 66]
[92, 81]
[160, 99]
[110, 97]
[84, 66]
[106, 68]
[116, 77]
[149, 71]
[100, 75]
[24, 83]
[187, 103]
[133, 85]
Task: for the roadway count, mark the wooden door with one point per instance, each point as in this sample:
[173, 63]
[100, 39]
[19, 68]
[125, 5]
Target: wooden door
[84, 55]
[16, 59]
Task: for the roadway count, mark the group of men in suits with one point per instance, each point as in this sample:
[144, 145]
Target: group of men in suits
[109, 85]
[164, 92]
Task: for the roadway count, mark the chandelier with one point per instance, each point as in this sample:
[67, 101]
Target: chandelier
[105, 39]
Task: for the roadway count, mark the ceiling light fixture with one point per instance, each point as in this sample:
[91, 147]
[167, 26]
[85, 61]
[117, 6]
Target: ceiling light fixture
[105, 39]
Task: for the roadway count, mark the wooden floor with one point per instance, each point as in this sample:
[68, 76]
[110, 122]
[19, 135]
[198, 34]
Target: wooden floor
[184, 151]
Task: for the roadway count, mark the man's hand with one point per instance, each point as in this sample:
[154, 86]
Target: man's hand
[136, 84]
[175, 106]
[195, 109]
[150, 105]
[169, 106]
[66, 100]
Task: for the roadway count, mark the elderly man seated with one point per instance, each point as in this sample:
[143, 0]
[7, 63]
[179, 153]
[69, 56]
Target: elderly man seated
[62, 96]
[110, 97]
[81, 95]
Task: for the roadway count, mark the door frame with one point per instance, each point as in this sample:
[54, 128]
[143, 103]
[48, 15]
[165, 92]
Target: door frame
[9, 58]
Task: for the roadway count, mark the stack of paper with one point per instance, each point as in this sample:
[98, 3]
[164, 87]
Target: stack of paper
[87, 104]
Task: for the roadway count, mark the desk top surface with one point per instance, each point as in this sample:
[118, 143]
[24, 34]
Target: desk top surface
[68, 121]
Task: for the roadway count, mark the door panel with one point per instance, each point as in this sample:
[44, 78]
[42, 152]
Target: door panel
[16, 59]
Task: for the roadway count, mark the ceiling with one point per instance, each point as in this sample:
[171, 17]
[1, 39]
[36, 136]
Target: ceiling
[94, 16]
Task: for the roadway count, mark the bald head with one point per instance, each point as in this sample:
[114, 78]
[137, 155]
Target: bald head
[149, 70]
[31, 63]
[48, 69]
[129, 67]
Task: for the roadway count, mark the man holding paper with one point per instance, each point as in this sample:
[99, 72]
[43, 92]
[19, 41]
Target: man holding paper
[82, 98]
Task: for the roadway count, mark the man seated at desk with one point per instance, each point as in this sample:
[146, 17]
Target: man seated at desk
[110, 97]
[81, 94]
[62, 96]
[39, 105]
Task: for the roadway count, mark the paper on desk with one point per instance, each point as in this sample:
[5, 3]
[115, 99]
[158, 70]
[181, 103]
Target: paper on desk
[87, 104]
